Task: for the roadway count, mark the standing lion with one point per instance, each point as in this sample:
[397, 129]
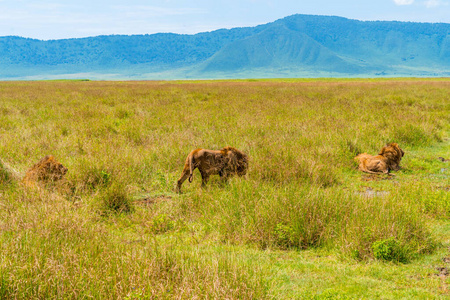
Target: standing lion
[388, 159]
[224, 162]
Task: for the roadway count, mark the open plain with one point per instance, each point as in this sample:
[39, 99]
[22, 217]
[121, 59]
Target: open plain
[303, 223]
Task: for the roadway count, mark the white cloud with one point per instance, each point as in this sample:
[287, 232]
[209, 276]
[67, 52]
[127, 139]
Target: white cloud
[404, 2]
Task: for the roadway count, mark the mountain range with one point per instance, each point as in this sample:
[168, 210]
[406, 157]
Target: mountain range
[295, 46]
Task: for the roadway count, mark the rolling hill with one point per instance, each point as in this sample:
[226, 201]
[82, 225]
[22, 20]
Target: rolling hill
[295, 46]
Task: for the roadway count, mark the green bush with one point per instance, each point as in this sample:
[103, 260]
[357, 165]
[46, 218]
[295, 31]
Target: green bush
[389, 250]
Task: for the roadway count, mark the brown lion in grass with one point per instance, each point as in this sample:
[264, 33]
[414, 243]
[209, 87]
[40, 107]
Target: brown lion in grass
[47, 170]
[387, 160]
[224, 162]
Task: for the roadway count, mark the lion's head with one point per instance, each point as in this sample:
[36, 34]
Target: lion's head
[393, 154]
[236, 161]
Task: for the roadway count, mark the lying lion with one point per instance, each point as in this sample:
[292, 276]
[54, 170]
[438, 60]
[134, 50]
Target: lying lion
[47, 170]
[224, 162]
[387, 160]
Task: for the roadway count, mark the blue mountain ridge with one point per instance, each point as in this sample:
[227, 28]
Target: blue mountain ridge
[295, 46]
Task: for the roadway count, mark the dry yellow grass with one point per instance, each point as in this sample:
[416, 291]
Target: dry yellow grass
[127, 141]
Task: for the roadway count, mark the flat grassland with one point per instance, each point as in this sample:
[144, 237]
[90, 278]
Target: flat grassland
[303, 224]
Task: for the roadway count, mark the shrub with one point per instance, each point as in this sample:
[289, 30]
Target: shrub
[389, 250]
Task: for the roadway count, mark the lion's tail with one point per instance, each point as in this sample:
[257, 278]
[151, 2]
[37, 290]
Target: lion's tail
[191, 169]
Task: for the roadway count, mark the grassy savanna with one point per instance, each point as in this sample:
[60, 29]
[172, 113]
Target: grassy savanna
[304, 223]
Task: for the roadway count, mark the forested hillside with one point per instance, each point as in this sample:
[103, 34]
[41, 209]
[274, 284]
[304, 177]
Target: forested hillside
[299, 45]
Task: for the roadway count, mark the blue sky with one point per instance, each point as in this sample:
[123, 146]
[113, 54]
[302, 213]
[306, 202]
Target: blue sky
[51, 19]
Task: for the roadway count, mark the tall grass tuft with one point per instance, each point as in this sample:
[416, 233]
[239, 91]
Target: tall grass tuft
[114, 199]
[412, 135]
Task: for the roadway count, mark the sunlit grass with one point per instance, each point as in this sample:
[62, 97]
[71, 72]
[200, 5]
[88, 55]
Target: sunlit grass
[116, 229]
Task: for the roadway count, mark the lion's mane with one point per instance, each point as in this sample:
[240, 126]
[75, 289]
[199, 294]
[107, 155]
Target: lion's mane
[47, 170]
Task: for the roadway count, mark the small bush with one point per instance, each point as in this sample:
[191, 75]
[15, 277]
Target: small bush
[389, 250]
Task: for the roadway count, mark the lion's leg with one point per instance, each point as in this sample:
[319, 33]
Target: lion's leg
[378, 172]
[369, 171]
[224, 176]
[205, 178]
[395, 167]
[183, 177]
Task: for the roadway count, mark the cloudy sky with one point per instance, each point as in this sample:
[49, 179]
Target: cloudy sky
[52, 19]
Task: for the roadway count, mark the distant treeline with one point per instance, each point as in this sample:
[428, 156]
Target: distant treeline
[295, 43]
